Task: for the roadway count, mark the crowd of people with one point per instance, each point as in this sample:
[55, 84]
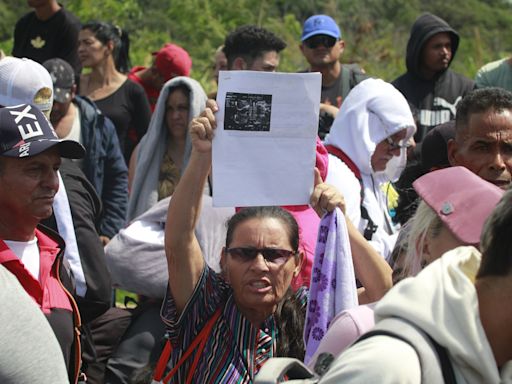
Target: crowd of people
[398, 270]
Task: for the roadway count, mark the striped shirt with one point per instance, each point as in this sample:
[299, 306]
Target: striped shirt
[235, 350]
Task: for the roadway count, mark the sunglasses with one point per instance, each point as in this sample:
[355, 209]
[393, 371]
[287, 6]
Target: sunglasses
[394, 145]
[318, 40]
[271, 255]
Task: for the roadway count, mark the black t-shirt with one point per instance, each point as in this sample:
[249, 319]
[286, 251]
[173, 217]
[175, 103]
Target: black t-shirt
[332, 94]
[42, 40]
[128, 108]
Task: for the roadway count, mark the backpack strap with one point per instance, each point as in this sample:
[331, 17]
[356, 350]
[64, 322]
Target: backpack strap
[435, 363]
[345, 81]
[370, 228]
[351, 75]
[292, 369]
[198, 343]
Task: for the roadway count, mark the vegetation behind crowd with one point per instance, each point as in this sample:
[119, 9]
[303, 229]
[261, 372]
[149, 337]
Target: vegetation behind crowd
[375, 31]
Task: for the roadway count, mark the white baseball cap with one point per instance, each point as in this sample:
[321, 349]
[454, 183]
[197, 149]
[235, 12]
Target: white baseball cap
[24, 81]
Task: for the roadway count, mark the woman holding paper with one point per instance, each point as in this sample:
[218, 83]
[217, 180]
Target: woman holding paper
[233, 322]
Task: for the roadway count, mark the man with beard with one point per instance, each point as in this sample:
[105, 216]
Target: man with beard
[322, 47]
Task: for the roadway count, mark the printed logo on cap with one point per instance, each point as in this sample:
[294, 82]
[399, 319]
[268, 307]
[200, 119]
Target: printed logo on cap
[29, 128]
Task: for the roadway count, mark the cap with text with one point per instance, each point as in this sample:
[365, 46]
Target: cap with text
[320, 25]
[25, 131]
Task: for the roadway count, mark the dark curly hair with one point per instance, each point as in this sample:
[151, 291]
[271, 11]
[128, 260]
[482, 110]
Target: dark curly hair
[250, 42]
[290, 317]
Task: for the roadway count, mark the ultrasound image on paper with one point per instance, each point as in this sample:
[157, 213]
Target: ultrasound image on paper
[247, 112]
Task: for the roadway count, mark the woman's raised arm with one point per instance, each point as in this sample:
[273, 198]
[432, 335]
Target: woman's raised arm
[184, 257]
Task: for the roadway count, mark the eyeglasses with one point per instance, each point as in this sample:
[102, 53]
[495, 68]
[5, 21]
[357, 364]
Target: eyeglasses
[316, 41]
[394, 145]
[271, 255]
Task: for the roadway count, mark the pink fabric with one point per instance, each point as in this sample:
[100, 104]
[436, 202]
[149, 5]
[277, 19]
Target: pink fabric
[461, 199]
[344, 329]
[322, 158]
[309, 222]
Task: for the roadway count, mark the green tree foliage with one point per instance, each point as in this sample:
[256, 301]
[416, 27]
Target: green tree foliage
[375, 31]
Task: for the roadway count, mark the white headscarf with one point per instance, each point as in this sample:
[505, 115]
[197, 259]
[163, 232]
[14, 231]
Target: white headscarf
[373, 111]
[152, 147]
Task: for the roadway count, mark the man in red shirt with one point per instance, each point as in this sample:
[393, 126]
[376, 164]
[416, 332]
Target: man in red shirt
[30, 157]
[169, 62]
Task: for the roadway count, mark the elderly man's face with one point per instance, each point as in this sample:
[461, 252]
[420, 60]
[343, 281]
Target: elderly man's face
[28, 185]
[386, 149]
[485, 147]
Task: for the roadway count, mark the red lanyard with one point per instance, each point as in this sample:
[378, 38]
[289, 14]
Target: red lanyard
[199, 342]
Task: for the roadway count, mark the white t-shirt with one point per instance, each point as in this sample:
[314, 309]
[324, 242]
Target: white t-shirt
[28, 253]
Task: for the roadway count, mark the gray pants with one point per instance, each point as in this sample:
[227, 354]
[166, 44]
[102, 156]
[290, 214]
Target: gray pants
[140, 346]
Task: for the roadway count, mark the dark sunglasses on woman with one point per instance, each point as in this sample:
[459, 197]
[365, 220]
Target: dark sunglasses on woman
[271, 255]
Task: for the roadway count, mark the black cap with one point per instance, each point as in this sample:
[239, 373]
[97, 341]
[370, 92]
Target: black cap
[25, 131]
[434, 146]
[63, 78]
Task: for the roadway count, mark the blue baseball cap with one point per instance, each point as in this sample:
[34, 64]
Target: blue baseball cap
[320, 25]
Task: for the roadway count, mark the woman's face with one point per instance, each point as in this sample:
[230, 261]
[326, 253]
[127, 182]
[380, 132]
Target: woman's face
[258, 284]
[176, 113]
[91, 51]
[437, 246]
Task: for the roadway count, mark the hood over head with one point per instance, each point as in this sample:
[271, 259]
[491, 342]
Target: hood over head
[373, 111]
[157, 129]
[426, 26]
[442, 301]
[152, 147]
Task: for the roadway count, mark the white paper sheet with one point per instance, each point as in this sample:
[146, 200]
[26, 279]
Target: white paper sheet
[264, 147]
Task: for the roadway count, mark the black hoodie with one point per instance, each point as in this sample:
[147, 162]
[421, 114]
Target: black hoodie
[434, 99]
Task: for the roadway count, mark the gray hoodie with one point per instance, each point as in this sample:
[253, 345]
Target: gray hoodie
[441, 300]
[152, 147]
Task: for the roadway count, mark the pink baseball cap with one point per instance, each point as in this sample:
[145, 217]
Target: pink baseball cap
[172, 61]
[461, 199]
